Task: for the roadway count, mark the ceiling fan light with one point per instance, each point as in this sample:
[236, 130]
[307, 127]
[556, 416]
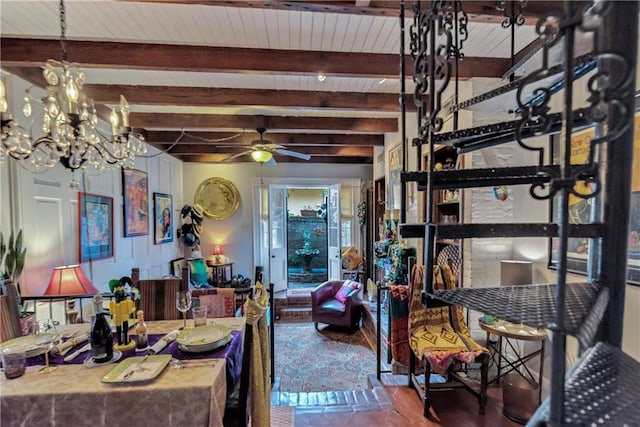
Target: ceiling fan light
[261, 156]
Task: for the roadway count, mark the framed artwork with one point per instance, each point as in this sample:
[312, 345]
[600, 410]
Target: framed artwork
[395, 168]
[96, 226]
[136, 202]
[579, 209]
[163, 218]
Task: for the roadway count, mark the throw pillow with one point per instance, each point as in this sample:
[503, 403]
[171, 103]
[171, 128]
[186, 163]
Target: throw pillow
[345, 290]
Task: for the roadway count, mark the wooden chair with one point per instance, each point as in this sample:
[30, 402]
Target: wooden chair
[158, 296]
[431, 330]
[251, 395]
[9, 314]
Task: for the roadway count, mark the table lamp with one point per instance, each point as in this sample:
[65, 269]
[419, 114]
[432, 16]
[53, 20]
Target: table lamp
[69, 281]
[217, 254]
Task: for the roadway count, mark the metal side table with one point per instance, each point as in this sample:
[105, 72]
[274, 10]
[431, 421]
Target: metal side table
[510, 358]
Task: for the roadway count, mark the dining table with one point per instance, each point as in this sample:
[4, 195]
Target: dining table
[192, 392]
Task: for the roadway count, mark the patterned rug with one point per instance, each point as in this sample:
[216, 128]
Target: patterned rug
[331, 359]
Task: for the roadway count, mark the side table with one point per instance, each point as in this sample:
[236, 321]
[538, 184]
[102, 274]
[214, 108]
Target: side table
[221, 274]
[516, 360]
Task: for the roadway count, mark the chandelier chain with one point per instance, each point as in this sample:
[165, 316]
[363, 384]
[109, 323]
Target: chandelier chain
[63, 30]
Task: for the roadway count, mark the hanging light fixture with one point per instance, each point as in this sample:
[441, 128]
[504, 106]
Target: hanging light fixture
[69, 123]
[261, 156]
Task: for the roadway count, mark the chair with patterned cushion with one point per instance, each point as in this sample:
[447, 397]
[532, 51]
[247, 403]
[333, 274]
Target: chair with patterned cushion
[337, 302]
[440, 339]
[220, 302]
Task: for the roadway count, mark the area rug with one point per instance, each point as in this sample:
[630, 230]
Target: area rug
[331, 359]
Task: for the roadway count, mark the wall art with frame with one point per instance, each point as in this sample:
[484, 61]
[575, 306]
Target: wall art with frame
[580, 209]
[162, 218]
[136, 202]
[96, 226]
[395, 169]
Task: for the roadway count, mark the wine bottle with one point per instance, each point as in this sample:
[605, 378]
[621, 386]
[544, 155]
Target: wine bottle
[101, 335]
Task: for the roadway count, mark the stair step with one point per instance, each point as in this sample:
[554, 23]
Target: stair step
[303, 313]
[584, 305]
[373, 399]
[463, 231]
[604, 385]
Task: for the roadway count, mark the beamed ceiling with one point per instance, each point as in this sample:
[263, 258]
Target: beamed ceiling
[201, 76]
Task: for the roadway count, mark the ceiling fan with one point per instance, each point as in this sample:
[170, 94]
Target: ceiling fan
[262, 150]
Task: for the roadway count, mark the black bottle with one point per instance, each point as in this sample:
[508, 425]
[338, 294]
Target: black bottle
[101, 335]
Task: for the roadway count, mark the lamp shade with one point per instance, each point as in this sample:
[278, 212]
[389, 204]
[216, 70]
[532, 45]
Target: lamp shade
[514, 273]
[217, 250]
[70, 280]
[261, 156]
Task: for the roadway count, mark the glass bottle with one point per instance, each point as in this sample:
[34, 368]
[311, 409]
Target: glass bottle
[142, 339]
[101, 335]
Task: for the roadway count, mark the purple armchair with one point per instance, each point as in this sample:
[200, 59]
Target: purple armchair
[327, 304]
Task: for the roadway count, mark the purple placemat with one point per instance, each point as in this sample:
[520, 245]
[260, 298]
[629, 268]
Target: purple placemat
[231, 351]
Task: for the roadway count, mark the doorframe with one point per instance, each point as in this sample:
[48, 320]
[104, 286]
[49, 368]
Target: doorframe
[260, 192]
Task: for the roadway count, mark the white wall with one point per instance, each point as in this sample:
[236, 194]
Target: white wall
[236, 233]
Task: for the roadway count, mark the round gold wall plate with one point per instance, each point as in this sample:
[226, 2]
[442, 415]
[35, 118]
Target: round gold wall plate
[218, 197]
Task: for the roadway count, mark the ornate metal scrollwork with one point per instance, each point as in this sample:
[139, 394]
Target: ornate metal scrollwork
[437, 35]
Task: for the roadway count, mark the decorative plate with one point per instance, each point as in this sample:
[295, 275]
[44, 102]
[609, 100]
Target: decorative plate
[137, 369]
[203, 338]
[218, 197]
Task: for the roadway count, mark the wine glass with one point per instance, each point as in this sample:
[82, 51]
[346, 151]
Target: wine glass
[45, 334]
[183, 303]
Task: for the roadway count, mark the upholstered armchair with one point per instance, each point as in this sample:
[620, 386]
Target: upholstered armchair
[337, 302]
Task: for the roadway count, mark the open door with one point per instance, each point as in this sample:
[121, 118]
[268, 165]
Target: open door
[333, 232]
[278, 237]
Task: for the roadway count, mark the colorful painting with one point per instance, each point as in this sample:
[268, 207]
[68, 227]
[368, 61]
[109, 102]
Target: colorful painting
[163, 218]
[580, 209]
[96, 226]
[395, 169]
[136, 202]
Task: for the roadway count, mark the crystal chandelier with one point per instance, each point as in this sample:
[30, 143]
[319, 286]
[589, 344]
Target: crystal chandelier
[69, 123]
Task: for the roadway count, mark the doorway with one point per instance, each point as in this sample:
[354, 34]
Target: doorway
[271, 224]
[307, 245]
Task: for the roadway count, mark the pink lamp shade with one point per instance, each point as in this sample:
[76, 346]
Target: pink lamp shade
[70, 280]
[217, 253]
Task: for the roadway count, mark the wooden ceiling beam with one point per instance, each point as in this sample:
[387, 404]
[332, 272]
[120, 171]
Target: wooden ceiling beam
[246, 122]
[290, 140]
[209, 97]
[15, 52]
[344, 151]
[218, 158]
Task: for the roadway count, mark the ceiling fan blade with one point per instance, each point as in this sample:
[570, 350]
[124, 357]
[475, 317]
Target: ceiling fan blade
[293, 154]
[272, 163]
[234, 156]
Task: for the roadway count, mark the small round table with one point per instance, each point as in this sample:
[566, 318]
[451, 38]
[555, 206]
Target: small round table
[219, 274]
[506, 332]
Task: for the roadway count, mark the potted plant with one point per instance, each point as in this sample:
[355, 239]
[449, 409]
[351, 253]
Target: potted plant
[12, 257]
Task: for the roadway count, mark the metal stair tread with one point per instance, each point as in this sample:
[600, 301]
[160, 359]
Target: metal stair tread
[534, 305]
[462, 231]
[602, 388]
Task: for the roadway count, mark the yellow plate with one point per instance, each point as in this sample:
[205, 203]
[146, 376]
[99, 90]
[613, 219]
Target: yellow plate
[203, 338]
[218, 197]
[137, 369]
